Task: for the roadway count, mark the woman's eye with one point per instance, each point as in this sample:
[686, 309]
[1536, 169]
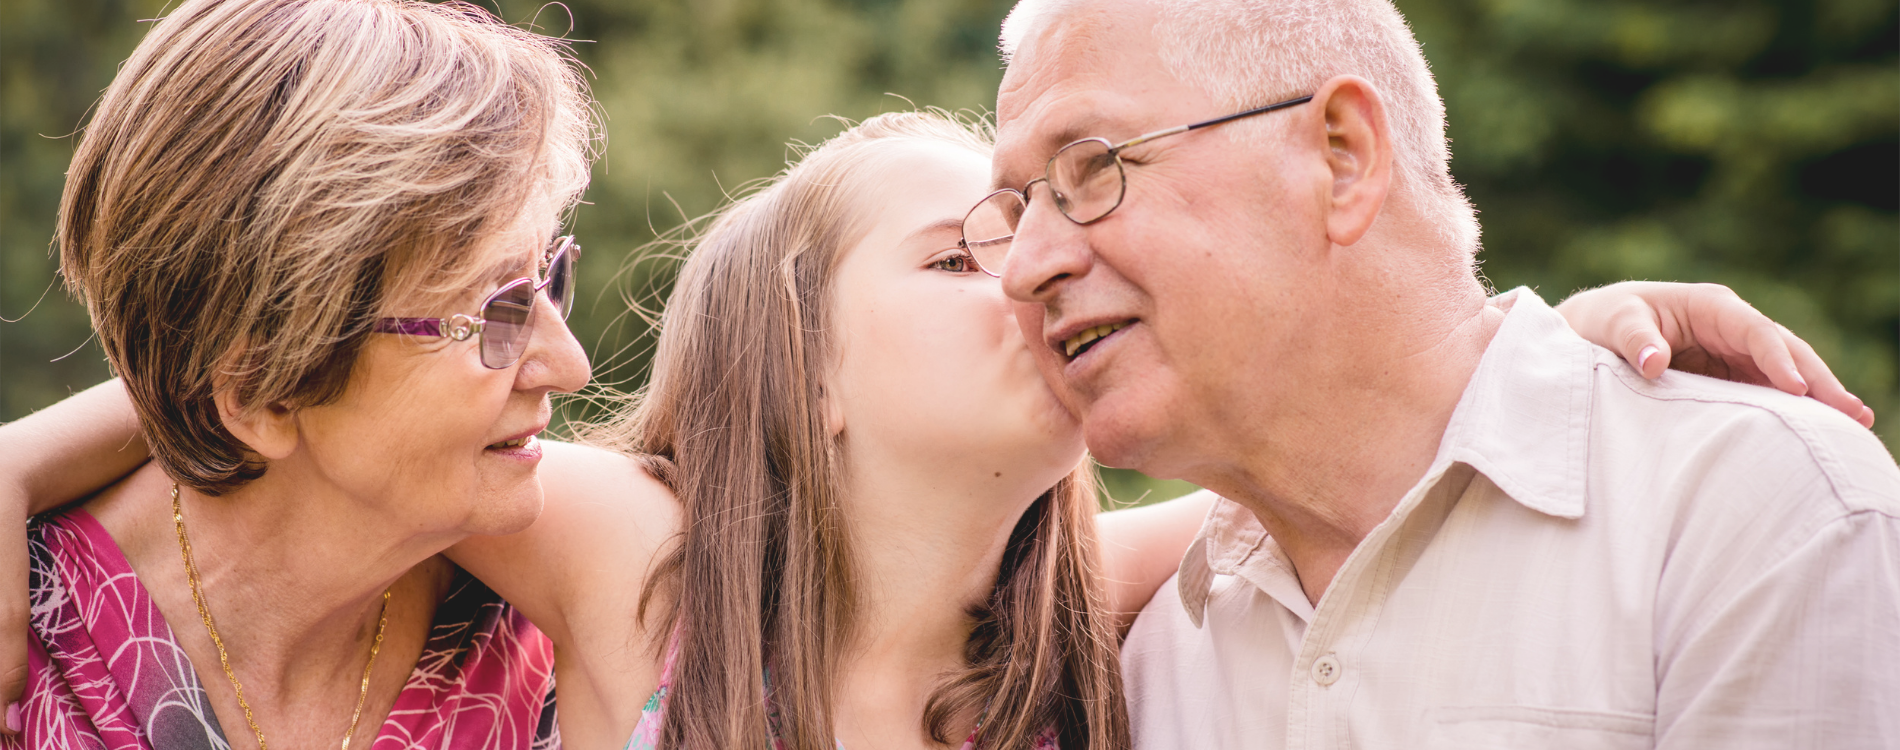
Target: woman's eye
[959, 263]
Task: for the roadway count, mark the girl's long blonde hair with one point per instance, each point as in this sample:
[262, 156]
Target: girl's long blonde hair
[761, 577]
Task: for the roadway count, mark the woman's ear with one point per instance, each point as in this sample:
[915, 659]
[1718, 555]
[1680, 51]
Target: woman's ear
[833, 410]
[269, 431]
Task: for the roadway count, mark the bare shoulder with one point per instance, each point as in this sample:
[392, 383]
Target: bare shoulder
[580, 567]
[579, 571]
[584, 479]
[609, 504]
[136, 512]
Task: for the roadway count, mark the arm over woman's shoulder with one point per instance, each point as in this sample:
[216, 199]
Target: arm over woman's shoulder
[604, 526]
[579, 572]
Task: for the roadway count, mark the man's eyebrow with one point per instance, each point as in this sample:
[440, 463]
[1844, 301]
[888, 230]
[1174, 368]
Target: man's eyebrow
[1087, 128]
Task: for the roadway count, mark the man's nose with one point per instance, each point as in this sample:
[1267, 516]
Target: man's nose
[1047, 250]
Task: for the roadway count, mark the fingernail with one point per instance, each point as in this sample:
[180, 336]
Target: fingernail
[1642, 357]
[13, 717]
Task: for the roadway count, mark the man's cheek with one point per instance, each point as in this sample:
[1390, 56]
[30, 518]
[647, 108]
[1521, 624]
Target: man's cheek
[1029, 316]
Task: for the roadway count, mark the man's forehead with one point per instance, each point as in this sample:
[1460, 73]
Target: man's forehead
[1052, 121]
[1089, 73]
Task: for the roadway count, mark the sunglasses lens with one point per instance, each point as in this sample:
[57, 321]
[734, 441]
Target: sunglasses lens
[508, 317]
[1087, 180]
[561, 276]
[989, 227]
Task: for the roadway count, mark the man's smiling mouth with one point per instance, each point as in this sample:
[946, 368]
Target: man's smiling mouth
[1087, 338]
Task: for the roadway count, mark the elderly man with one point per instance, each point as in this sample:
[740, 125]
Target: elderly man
[1450, 522]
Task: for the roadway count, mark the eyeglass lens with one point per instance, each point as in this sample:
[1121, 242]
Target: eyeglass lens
[1086, 181]
[506, 324]
[509, 315]
[989, 227]
[561, 276]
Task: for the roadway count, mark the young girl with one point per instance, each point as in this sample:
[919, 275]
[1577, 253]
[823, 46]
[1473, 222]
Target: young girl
[848, 511]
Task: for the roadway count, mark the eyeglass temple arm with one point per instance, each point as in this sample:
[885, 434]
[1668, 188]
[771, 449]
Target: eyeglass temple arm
[411, 326]
[1178, 129]
[449, 327]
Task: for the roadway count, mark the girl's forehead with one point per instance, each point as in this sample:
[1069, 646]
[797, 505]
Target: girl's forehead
[927, 179]
[941, 158]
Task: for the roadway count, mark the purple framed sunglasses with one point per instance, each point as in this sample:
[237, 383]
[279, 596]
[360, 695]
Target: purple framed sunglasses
[506, 321]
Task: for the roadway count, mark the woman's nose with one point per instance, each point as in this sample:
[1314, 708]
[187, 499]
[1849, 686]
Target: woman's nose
[554, 359]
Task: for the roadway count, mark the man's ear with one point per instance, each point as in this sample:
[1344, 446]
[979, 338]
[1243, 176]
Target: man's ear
[269, 431]
[1359, 154]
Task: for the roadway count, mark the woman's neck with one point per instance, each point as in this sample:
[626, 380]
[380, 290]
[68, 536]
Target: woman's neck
[315, 562]
[294, 578]
[925, 556]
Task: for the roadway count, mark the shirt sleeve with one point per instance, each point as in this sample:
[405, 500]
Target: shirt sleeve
[1804, 655]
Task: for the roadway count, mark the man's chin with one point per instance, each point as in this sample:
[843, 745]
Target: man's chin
[1123, 438]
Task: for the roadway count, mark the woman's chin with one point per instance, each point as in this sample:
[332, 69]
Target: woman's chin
[508, 510]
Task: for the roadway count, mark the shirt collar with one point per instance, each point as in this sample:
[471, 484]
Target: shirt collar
[1233, 542]
[1523, 422]
[1524, 419]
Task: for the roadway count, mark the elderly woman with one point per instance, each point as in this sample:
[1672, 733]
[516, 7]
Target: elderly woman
[316, 241]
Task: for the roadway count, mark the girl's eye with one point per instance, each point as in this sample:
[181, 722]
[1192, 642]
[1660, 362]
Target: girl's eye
[959, 263]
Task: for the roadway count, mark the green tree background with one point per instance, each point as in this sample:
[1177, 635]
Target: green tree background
[1750, 142]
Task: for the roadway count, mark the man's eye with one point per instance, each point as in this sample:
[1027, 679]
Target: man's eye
[960, 263]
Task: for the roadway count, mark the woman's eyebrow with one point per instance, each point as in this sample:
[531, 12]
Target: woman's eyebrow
[503, 271]
[953, 224]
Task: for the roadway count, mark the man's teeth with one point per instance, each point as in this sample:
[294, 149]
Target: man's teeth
[1076, 342]
[515, 443]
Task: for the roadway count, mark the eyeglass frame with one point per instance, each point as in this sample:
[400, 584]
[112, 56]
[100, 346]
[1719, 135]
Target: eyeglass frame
[462, 326]
[1114, 150]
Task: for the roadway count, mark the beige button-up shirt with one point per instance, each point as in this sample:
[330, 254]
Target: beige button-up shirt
[1593, 561]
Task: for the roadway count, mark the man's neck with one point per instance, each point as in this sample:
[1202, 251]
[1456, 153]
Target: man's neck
[1323, 474]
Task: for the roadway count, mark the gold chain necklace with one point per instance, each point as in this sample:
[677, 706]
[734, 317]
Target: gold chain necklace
[198, 598]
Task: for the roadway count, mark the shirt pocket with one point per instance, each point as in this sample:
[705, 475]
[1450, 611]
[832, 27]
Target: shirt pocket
[1529, 727]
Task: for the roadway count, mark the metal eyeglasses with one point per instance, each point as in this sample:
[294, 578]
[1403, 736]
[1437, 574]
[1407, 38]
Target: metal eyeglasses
[506, 322]
[1087, 180]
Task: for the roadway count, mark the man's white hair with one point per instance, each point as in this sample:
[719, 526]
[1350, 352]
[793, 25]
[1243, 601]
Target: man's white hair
[1247, 53]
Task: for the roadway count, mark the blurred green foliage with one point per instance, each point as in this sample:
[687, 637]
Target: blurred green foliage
[1748, 142]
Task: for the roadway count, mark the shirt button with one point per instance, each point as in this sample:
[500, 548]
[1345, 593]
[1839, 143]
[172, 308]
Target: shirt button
[1326, 670]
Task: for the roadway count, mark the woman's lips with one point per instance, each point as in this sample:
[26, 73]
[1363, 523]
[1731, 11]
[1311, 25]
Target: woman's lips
[514, 443]
[524, 448]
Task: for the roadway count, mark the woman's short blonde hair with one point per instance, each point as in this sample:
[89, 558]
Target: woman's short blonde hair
[265, 178]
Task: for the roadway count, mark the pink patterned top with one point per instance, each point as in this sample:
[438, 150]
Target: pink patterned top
[105, 672]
